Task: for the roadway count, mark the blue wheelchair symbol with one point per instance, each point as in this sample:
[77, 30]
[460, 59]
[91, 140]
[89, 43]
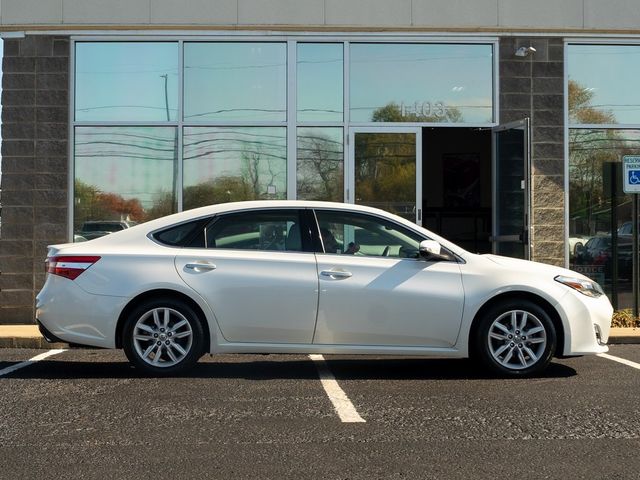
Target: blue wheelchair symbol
[634, 177]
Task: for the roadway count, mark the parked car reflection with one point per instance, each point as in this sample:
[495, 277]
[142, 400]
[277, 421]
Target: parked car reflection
[99, 228]
[599, 251]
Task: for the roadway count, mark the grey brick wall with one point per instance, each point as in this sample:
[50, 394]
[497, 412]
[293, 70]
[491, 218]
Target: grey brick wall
[34, 167]
[533, 87]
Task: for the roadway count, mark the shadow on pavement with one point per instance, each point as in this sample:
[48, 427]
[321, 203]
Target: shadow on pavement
[281, 369]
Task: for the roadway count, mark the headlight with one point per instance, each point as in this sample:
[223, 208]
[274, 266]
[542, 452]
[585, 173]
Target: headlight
[586, 287]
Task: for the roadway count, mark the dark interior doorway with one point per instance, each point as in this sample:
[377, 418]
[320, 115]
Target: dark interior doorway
[456, 185]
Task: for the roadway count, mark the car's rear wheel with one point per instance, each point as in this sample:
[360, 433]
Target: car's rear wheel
[163, 337]
[516, 338]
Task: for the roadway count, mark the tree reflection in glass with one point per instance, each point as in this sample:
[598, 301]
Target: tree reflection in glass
[599, 211]
[227, 164]
[436, 83]
[124, 173]
[320, 164]
[385, 172]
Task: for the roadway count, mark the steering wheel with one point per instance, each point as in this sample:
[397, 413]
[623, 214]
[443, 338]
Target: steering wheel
[385, 252]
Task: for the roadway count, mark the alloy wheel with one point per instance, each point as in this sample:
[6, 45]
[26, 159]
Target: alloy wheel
[517, 339]
[162, 337]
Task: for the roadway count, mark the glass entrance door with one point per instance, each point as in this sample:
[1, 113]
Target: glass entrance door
[511, 190]
[384, 170]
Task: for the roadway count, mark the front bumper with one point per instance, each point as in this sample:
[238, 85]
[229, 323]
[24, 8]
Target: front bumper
[587, 323]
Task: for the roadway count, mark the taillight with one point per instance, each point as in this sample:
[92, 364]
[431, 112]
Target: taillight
[69, 266]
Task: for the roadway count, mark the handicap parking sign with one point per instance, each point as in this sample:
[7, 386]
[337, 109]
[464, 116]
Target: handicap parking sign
[631, 173]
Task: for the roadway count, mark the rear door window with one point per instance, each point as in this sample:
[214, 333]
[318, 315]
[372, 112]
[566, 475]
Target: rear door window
[270, 230]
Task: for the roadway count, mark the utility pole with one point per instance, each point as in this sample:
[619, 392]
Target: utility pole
[174, 193]
[166, 94]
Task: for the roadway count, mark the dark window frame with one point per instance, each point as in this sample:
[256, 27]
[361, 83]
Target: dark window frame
[364, 215]
[305, 233]
[317, 239]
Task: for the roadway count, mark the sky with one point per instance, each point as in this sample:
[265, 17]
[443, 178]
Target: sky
[609, 72]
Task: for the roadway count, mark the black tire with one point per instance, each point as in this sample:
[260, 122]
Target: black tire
[527, 352]
[179, 340]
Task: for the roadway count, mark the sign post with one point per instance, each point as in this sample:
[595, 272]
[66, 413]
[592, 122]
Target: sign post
[631, 185]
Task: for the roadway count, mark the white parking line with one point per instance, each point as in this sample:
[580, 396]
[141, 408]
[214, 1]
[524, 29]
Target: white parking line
[629, 363]
[31, 361]
[345, 409]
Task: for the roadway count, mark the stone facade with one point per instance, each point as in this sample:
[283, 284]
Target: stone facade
[35, 99]
[533, 87]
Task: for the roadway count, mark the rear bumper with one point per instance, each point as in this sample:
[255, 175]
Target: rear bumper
[48, 336]
[67, 313]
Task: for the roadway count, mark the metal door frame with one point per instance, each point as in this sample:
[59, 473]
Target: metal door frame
[349, 170]
[525, 125]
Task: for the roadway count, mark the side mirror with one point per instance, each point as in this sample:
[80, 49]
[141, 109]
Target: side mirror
[431, 250]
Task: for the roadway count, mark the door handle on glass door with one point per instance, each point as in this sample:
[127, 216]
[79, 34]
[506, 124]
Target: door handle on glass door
[200, 266]
[336, 273]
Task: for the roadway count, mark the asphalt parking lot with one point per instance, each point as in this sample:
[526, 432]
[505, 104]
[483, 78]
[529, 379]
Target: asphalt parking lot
[88, 414]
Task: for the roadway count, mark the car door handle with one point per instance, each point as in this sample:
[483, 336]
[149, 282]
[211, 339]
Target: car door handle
[200, 266]
[336, 273]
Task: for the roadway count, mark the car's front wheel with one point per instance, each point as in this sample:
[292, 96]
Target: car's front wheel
[163, 337]
[516, 338]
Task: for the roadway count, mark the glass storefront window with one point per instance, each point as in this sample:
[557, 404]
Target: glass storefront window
[235, 81]
[320, 82]
[123, 175]
[385, 172]
[421, 83]
[320, 164]
[126, 81]
[600, 90]
[599, 212]
[231, 107]
[226, 164]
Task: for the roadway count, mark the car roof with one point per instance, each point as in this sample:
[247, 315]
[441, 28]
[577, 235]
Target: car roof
[256, 204]
[143, 229]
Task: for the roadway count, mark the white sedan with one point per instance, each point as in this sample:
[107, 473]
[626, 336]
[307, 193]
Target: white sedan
[312, 277]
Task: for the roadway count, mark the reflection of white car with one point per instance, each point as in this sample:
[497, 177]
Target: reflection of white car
[576, 243]
[99, 228]
[283, 277]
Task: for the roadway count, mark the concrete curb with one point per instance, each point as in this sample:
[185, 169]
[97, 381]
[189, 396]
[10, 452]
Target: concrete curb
[621, 336]
[28, 336]
[25, 336]
[29, 342]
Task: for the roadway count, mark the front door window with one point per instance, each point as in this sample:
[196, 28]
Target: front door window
[362, 235]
